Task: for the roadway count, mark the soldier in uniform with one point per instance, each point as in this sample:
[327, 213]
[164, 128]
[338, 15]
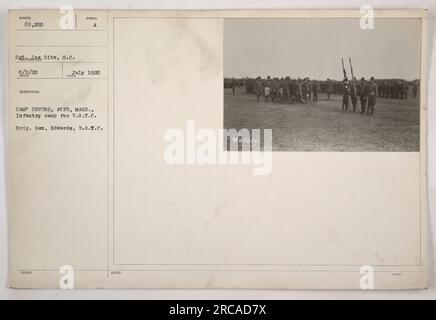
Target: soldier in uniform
[363, 94]
[415, 89]
[258, 87]
[352, 86]
[299, 87]
[233, 84]
[328, 88]
[282, 85]
[345, 95]
[293, 89]
[315, 88]
[303, 89]
[405, 90]
[275, 86]
[372, 94]
[307, 91]
[267, 88]
[382, 89]
[287, 89]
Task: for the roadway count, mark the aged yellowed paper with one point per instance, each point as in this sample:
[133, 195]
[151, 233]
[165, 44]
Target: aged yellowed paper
[121, 167]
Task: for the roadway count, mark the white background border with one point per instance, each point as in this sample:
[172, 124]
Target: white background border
[6, 293]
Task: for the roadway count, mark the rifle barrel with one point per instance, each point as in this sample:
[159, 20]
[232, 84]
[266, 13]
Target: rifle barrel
[343, 68]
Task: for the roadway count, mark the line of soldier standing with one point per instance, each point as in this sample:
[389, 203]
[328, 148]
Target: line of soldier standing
[305, 90]
[396, 89]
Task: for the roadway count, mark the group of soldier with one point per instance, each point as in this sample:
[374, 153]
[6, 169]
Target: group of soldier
[287, 90]
[306, 90]
[366, 91]
[398, 89]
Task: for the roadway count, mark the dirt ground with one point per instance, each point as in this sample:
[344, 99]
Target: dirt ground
[322, 126]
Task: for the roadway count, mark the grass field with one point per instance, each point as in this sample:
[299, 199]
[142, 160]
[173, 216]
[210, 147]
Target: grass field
[322, 126]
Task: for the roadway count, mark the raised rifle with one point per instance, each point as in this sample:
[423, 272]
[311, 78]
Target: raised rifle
[352, 77]
[343, 68]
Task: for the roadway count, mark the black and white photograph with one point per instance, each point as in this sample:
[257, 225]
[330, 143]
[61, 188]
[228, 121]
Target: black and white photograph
[233, 152]
[324, 84]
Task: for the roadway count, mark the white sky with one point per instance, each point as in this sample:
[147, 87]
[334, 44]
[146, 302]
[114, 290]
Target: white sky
[301, 47]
